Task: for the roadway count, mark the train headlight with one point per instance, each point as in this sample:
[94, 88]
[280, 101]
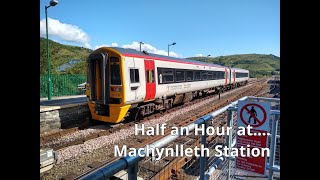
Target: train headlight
[116, 89]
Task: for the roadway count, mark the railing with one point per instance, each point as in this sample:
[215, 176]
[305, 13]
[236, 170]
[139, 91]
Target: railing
[207, 168]
[227, 165]
[62, 85]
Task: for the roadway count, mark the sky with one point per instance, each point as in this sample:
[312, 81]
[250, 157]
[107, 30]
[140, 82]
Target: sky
[199, 28]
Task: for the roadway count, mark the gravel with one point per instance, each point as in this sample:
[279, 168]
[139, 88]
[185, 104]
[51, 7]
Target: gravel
[74, 136]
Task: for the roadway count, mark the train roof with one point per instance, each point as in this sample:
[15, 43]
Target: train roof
[126, 51]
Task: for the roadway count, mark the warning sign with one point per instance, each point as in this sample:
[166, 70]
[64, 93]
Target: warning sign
[255, 114]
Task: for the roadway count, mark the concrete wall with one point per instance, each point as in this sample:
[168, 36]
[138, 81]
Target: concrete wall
[61, 117]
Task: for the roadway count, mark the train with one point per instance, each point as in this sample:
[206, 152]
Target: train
[124, 82]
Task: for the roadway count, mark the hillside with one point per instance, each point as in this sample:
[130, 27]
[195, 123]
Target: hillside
[259, 65]
[61, 54]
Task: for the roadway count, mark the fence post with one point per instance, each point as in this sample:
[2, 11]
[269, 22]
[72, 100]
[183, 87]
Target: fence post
[133, 172]
[273, 145]
[203, 159]
[229, 140]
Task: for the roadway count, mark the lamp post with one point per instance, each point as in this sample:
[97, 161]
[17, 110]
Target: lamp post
[140, 44]
[170, 45]
[52, 3]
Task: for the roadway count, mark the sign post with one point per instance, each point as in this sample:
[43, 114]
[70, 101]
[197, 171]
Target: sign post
[257, 115]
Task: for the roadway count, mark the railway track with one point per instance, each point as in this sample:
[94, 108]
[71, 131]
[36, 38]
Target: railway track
[52, 140]
[168, 166]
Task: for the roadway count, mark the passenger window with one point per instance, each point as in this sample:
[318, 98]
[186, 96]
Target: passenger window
[197, 75]
[211, 75]
[134, 75]
[189, 75]
[241, 75]
[179, 75]
[152, 76]
[167, 75]
[204, 75]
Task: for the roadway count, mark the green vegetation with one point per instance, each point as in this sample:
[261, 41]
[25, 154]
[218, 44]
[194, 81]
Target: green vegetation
[63, 83]
[61, 54]
[259, 65]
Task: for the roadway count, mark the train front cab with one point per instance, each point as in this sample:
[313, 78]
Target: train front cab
[106, 86]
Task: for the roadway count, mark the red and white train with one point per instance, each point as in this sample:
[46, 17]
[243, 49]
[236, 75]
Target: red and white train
[122, 82]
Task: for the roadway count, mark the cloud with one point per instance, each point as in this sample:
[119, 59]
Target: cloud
[147, 47]
[101, 45]
[73, 33]
[114, 44]
[66, 32]
[199, 55]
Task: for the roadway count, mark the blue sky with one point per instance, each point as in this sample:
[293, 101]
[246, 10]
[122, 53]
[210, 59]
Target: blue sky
[198, 27]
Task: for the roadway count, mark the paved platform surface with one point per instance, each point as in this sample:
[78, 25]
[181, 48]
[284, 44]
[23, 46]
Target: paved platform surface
[58, 102]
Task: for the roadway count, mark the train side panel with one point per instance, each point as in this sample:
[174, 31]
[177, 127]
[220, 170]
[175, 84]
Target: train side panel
[136, 84]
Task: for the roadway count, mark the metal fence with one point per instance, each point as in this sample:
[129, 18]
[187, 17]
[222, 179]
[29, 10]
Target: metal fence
[62, 85]
[203, 167]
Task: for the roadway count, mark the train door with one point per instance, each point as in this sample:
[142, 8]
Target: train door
[234, 76]
[98, 78]
[150, 79]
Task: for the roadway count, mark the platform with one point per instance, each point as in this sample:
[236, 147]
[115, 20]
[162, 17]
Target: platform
[61, 102]
[63, 112]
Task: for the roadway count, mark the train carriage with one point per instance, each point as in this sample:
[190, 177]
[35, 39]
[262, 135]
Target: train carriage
[123, 82]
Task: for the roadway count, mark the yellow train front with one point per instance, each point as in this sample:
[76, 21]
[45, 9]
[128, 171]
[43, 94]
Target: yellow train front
[123, 82]
[105, 86]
